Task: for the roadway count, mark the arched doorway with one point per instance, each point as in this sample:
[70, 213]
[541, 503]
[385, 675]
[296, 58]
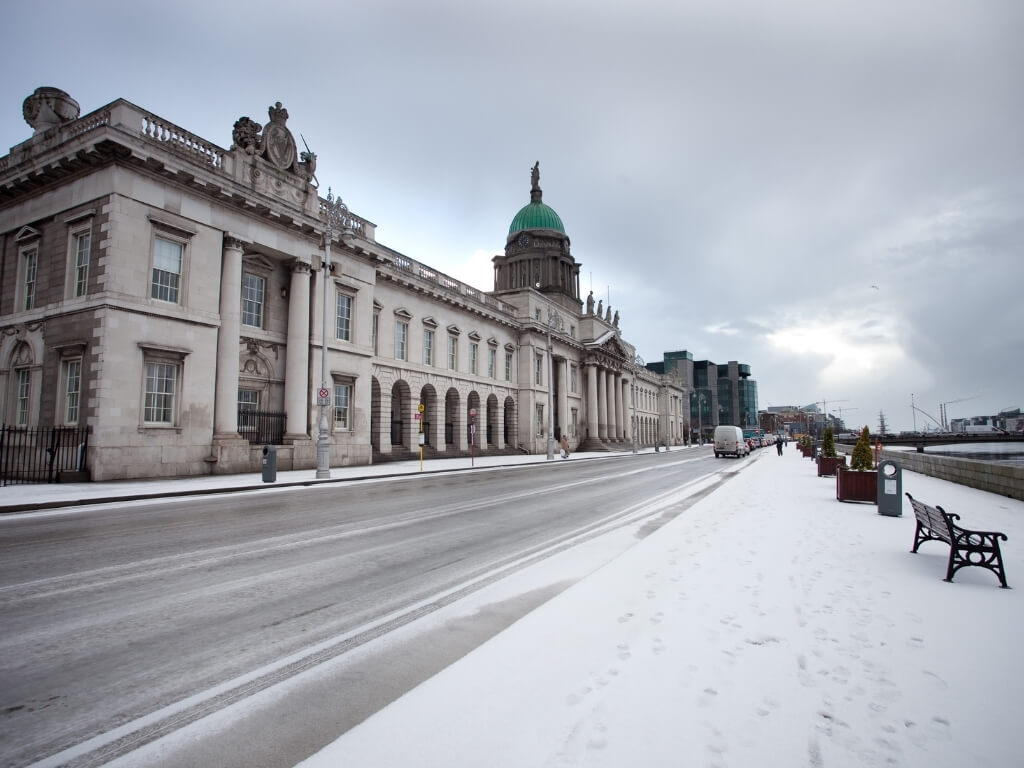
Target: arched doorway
[473, 420]
[428, 419]
[401, 415]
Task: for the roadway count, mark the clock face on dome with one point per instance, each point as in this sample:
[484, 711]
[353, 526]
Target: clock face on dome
[524, 240]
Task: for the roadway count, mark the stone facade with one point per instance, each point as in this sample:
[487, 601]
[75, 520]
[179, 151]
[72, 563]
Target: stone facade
[152, 284]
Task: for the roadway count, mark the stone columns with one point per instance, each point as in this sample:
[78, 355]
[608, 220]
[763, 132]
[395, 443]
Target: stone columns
[563, 396]
[460, 425]
[619, 431]
[384, 423]
[225, 404]
[499, 424]
[297, 386]
[592, 415]
[602, 404]
[436, 412]
[609, 420]
[629, 406]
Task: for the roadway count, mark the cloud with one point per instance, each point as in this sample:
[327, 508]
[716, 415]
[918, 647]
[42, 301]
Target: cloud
[734, 176]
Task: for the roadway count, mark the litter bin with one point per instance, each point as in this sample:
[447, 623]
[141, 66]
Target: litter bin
[890, 489]
[269, 463]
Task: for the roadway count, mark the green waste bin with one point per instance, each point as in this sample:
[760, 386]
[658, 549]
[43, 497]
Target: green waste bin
[890, 489]
[269, 463]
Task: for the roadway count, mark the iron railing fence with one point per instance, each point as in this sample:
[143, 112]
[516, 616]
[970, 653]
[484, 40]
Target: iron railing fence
[261, 427]
[40, 454]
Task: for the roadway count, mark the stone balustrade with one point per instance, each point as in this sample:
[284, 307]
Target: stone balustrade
[411, 267]
[158, 129]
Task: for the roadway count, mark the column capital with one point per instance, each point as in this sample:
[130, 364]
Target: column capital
[233, 243]
[300, 267]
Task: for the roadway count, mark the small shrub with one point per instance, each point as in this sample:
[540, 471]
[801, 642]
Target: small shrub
[862, 457]
[828, 444]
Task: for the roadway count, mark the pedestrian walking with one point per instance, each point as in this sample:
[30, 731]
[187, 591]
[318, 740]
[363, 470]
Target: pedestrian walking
[778, 446]
[565, 447]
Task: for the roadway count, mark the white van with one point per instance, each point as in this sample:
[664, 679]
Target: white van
[729, 441]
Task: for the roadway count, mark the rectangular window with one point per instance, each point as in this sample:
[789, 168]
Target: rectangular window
[401, 339]
[508, 366]
[374, 330]
[342, 398]
[161, 386]
[248, 404]
[540, 419]
[249, 399]
[428, 346]
[575, 417]
[23, 377]
[474, 353]
[492, 362]
[453, 353]
[81, 244]
[343, 318]
[254, 291]
[167, 256]
[31, 266]
[72, 390]
[572, 378]
[538, 369]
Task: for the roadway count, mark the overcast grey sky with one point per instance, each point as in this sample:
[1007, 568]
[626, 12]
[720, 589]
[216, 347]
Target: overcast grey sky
[829, 191]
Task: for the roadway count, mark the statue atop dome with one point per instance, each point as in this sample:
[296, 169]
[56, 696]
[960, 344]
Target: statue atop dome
[535, 190]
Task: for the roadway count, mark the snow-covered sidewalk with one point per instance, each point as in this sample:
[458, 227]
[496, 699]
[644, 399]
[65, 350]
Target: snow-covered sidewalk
[768, 624]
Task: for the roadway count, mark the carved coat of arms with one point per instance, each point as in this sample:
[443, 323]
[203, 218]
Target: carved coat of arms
[276, 143]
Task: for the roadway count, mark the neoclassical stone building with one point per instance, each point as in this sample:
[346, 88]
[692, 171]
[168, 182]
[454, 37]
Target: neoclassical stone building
[169, 294]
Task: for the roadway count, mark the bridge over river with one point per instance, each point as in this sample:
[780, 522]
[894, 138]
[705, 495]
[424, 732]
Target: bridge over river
[923, 440]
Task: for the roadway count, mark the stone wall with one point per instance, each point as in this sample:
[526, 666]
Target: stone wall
[1004, 479]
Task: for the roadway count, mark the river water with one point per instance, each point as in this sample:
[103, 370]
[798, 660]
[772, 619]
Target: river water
[998, 453]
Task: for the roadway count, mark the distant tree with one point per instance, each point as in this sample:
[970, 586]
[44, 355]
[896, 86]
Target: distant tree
[828, 444]
[862, 457]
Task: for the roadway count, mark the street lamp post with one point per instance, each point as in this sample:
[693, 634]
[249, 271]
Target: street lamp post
[554, 321]
[638, 363]
[334, 211]
[698, 391]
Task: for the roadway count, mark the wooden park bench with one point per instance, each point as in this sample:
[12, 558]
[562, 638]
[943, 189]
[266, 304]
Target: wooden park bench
[980, 548]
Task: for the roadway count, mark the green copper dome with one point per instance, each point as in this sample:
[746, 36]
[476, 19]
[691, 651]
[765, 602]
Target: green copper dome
[536, 215]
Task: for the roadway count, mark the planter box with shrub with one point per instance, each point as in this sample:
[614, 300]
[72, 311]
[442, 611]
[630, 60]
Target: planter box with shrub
[827, 465]
[856, 485]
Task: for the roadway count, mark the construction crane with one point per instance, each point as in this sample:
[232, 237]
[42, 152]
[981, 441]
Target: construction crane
[824, 410]
[942, 410]
[841, 409]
